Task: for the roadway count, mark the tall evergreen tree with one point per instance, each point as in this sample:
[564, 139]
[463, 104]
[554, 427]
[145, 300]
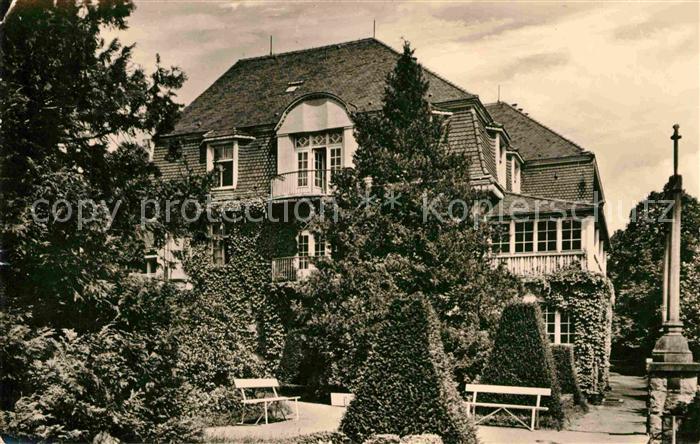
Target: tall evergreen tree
[393, 233]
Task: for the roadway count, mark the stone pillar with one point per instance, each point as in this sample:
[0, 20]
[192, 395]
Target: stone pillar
[670, 384]
[672, 374]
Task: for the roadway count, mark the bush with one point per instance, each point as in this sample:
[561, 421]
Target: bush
[689, 430]
[320, 438]
[112, 382]
[522, 357]
[406, 386]
[385, 438]
[20, 345]
[563, 355]
[422, 439]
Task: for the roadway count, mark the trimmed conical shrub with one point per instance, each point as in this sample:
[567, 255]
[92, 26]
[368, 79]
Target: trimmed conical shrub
[406, 387]
[563, 355]
[521, 356]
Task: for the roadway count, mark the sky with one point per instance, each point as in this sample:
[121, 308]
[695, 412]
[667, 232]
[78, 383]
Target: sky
[613, 77]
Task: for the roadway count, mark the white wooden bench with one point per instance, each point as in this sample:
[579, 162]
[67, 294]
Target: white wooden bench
[508, 390]
[256, 386]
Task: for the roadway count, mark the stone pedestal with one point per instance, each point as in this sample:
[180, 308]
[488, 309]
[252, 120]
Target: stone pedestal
[670, 384]
[672, 347]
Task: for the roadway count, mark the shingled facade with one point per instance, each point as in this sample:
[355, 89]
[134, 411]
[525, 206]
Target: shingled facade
[274, 129]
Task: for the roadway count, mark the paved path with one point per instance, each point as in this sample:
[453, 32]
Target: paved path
[622, 423]
[312, 418]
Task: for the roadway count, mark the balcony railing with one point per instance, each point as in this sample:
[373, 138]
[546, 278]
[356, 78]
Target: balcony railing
[303, 183]
[284, 269]
[290, 269]
[532, 264]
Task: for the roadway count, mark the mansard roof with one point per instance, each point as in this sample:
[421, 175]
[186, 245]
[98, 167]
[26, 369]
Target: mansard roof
[533, 139]
[256, 91]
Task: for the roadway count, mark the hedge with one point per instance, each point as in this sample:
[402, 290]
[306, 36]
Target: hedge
[521, 356]
[406, 386]
[563, 355]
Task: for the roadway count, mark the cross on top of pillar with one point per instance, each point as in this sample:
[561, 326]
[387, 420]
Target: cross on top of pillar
[675, 137]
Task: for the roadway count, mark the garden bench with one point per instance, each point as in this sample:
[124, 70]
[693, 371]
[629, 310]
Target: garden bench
[256, 386]
[508, 390]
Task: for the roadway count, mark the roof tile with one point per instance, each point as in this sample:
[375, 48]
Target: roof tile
[533, 140]
[252, 91]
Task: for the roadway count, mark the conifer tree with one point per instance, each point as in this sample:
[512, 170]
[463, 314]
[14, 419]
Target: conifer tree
[522, 356]
[393, 233]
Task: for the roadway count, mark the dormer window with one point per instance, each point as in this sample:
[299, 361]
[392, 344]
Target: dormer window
[223, 165]
[222, 159]
[515, 175]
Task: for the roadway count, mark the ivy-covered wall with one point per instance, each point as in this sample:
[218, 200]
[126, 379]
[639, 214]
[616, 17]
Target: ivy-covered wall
[243, 288]
[588, 298]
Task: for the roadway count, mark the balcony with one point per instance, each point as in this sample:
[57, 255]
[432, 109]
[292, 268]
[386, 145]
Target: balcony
[291, 269]
[303, 183]
[533, 264]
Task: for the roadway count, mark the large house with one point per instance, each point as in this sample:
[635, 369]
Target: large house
[275, 128]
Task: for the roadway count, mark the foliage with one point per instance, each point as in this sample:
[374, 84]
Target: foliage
[689, 430]
[114, 381]
[64, 108]
[406, 387]
[89, 351]
[636, 269]
[229, 323]
[587, 298]
[19, 346]
[563, 356]
[384, 244]
[521, 356]
[320, 437]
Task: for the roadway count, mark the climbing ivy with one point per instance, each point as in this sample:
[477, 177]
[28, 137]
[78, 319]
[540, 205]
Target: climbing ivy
[244, 282]
[231, 322]
[587, 297]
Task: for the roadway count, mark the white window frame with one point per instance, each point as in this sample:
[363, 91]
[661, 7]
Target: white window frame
[305, 254]
[559, 319]
[572, 238]
[309, 148]
[533, 242]
[547, 240]
[312, 240]
[303, 174]
[151, 271]
[211, 163]
[217, 241]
